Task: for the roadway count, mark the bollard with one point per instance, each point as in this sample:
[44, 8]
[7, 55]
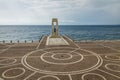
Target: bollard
[32, 41]
[3, 41]
[25, 41]
[18, 41]
[11, 41]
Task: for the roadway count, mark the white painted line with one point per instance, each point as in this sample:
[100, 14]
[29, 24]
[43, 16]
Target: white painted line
[42, 58]
[65, 41]
[72, 41]
[30, 67]
[55, 77]
[69, 38]
[77, 45]
[30, 75]
[110, 59]
[70, 56]
[7, 48]
[70, 77]
[110, 48]
[18, 68]
[74, 50]
[13, 57]
[14, 60]
[108, 68]
[110, 54]
[10, 65]
[40, 42]
[109, 73]
[1, 78]
[18, 57]
[47, 40]
[95, 74]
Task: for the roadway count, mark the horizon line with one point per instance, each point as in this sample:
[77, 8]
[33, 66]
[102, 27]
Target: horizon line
[60, 25]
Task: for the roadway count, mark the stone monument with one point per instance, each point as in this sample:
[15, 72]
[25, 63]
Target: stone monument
[54, 28]
[55, 38]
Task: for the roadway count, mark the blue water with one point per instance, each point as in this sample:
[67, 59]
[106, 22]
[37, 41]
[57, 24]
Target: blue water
[34, 32]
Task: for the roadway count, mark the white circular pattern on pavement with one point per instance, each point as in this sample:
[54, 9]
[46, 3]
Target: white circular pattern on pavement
[47, 77]
[7, 61]
[69, 61]
[93, 76]
[62, 56]
[113, 67]
[63, 62]
[113, 57]
[13, 72]
[1, 79]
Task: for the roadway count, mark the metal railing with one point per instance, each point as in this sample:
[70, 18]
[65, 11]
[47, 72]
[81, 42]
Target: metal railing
[18, 41]
[25, 41]
[69, 37]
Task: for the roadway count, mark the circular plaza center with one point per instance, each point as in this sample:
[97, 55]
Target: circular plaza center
[61, 61]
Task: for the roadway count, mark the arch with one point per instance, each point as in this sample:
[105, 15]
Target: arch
[54, 28]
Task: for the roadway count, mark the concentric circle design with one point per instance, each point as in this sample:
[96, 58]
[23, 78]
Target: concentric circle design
[13, 72]
[7, 61]
[61, 56]
[48, 77]
[93, 76]
[61, 61]
[113, 67]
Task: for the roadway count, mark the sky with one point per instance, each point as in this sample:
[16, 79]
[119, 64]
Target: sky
[68, 12]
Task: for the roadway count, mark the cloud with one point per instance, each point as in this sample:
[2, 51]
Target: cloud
[70, 11]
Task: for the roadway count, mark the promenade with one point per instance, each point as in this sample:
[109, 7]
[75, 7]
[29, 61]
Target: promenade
[60, 60]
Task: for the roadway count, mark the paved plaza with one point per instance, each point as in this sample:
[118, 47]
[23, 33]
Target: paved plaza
[56, 41]
[98, 60]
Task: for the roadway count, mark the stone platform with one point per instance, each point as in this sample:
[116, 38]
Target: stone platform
[56, 41]
[98, 60]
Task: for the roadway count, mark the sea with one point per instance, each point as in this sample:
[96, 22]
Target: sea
[75, 32]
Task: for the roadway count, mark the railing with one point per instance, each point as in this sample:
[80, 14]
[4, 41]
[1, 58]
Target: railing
[33, 41]
[96, 40]
[18, 41]
[90, 40]
[40, 38]
[25, 41]
[69, 37]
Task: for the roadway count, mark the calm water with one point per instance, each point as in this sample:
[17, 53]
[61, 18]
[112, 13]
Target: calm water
[34, 32]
